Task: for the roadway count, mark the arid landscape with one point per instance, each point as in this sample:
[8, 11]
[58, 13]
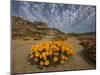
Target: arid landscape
[25, 34]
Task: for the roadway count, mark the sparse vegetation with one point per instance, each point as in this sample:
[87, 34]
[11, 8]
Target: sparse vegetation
[26, 38]
[90, 47]
[74, 34]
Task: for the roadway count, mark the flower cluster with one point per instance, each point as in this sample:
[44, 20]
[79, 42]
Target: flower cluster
[46, 53]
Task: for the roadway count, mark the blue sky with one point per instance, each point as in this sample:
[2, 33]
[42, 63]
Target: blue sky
[65, 17]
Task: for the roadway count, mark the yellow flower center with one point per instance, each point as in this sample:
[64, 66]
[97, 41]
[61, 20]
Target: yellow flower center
[41, 63]
[47, 62]
[55, 59]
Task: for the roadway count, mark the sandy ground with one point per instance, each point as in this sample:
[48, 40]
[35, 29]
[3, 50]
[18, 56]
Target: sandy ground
[21, 49]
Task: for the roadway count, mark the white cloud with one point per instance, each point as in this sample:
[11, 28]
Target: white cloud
[71, 18]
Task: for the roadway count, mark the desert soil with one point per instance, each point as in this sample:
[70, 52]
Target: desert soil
[21, 49]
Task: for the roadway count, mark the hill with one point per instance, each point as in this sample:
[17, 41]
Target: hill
[23, 28]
